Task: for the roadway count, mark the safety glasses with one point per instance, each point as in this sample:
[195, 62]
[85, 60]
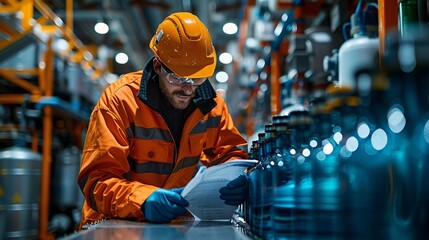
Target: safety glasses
[175, 80]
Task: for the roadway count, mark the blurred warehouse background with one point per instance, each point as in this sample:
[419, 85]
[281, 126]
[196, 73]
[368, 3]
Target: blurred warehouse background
[295, 58]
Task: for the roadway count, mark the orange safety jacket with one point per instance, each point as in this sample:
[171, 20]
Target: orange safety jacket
[129, 152]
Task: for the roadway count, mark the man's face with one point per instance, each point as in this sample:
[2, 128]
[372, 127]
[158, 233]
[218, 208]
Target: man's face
[179, 96]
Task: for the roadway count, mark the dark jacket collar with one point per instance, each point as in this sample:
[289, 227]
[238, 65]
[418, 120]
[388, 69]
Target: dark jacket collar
[149, 91]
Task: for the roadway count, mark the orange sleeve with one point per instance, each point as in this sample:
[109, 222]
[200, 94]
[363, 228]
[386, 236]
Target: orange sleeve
[104, 164]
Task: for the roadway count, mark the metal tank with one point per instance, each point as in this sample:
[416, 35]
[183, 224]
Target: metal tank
[20, 172]
[66, 192]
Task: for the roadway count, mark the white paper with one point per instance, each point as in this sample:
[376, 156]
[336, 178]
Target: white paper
[202, 192]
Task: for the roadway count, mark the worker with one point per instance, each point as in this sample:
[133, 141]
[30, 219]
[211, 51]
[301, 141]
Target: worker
[151, 129]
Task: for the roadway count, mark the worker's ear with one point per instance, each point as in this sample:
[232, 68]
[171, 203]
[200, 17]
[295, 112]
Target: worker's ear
[157, 66]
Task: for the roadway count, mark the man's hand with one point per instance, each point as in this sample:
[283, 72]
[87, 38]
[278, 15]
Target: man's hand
[236, 192]
[164, 205]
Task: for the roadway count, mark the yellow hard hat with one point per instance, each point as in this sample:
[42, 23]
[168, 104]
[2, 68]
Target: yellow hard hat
[183, 44]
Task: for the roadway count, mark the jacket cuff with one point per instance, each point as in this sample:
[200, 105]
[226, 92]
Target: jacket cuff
[138, 197]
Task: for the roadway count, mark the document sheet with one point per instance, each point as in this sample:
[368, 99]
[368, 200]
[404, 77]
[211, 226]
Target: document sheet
[202, 192]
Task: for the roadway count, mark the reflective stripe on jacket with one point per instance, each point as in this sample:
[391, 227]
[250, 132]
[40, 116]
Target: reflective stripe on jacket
[129, 151]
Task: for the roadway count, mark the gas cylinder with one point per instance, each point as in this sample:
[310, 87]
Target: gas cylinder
[19, 193]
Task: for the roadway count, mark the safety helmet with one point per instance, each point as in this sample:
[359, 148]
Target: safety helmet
[183, 44]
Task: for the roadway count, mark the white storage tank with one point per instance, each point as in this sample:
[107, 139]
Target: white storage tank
[356, 54]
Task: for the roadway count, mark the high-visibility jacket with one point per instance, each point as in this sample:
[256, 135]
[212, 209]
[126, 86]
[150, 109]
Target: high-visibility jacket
[129, 152]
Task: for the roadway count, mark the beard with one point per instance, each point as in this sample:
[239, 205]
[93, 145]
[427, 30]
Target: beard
[173, 100]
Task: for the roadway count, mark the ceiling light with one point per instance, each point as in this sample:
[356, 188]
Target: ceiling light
[230, 28]
[222, 77]
[225, 58]
[252, 43]
[101, 28]
[260, 63]
[121, 58]
[60, 45]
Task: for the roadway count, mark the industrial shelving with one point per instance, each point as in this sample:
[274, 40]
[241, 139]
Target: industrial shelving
[29, 36]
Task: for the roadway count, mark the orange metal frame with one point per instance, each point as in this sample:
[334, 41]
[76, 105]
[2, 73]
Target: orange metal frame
[387, 20]
[275, 83]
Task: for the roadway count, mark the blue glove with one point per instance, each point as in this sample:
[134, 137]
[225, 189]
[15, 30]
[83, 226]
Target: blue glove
[164, 205]
[236, 192]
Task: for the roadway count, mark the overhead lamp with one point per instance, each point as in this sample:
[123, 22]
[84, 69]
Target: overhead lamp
[222, 77]
[263, 87]
[225, 58]
[253, 78]
[101, 28]
[230, 28]
[61, 46]
[263, 75]
[260, 63]
[121, 58]
[252, 43]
